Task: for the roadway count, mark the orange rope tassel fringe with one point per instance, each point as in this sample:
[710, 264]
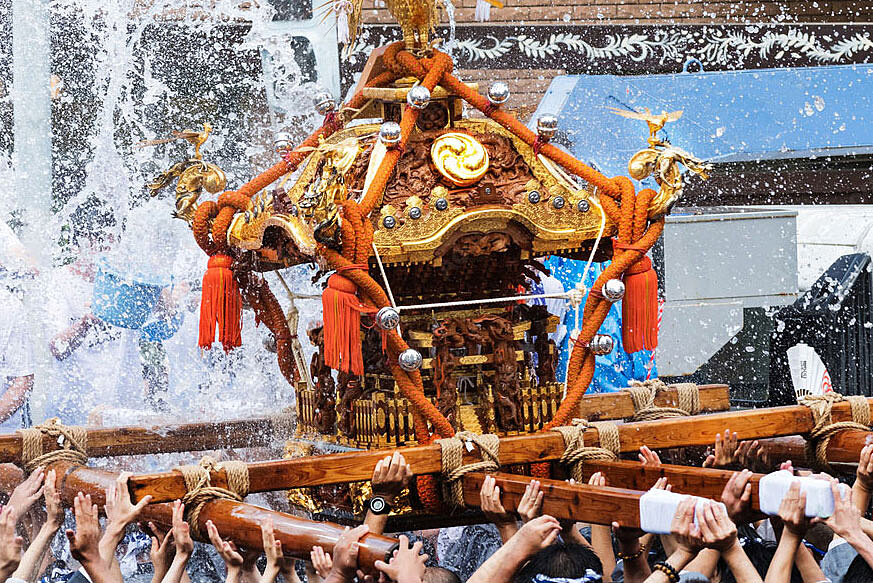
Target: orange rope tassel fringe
[220, 305]
[342, 325]
[639, 308]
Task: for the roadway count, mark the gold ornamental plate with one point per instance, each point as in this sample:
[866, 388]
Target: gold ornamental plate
[459, 158]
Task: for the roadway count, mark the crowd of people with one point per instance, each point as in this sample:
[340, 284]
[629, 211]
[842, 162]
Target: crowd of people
[709, 540]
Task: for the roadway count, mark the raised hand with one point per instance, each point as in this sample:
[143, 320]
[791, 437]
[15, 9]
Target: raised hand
[181, 531]
[10, 543]
[750, 454]
[345, 553]
[792, 511]
[321, 561]
[119, 508]
[737, 497]
[531, 504]
[120, 512]
[687, 534]
[391, 475]
[53, 508]
[27, 493]
[661, 484]
[407, 565]
[226, 550]
[717, 530]
[649, 457]
[864, 475]
[846, 519]
[182, 543]
[492, 508]
[160, 552]
[85, 541]
[725, 452]
[537, 534]
[273, 552]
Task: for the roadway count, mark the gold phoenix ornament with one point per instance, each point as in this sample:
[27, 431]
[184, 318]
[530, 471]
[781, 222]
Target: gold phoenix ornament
[662, 160]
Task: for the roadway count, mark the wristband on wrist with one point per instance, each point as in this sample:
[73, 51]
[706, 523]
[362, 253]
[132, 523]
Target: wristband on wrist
[631, 557]
[668, 570]
[378, 506]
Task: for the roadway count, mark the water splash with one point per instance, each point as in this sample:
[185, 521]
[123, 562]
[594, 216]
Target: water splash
[131, 71]
[450, 45]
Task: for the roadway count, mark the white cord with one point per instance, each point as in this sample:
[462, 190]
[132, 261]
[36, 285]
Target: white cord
[574, 335]
[500, 300]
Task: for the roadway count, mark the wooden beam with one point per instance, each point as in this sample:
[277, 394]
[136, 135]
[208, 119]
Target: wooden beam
[134, 440]
[845, 446]
[577, 502]
[790, 447]
[619, 405]
[236, 521]
[261, 431]
[341, 468]
[705, 482]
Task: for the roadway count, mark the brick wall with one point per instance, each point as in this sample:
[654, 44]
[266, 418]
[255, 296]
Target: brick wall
[529, 84]
[654, 12]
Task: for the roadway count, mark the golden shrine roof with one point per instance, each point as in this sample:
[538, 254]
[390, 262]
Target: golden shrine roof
[464, 182]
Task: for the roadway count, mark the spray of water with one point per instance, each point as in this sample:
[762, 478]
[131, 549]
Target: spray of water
[149, 68]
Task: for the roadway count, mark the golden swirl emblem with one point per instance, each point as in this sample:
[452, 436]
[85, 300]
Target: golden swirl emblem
[460, 158]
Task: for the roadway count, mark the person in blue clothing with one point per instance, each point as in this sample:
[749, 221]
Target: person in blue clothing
[614, 371]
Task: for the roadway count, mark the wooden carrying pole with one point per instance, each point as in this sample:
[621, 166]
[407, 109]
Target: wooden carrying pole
[134, 440]
[579, 502]
[262, 431]
[705, 482]
[236, 521]
[698, 430]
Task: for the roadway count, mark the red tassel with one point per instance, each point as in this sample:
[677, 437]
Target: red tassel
[639, 308]
[220, 305]
[342, 325]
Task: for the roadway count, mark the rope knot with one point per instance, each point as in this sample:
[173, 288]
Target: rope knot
[198, 483]
[643, 395]
[453, 467]
[824, 428]
[72, 444]
[575, 450]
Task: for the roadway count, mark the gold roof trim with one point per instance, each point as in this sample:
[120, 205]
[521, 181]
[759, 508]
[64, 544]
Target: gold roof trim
[399, 93]
[417, 241]
[551, 229]
[251, 235]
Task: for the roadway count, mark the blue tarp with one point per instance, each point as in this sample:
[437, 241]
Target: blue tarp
[728, 115]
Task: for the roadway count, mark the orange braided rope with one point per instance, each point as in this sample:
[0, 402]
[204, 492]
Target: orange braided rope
[630, 213]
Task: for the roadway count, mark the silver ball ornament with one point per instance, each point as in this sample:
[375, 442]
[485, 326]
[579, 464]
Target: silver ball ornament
[387, 318]
[324, 103]
[418, 97]
[410, 360]
[613, 290]
[390, 133]
[547, 127]
[602, 344]
[498, 93]
[282, 142]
